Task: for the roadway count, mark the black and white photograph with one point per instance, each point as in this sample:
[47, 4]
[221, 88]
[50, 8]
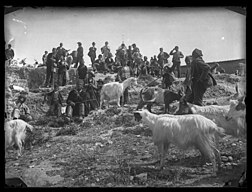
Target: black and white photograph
[107, 97]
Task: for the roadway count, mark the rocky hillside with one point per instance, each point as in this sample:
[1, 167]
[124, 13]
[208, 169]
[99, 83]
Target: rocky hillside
[110, 149]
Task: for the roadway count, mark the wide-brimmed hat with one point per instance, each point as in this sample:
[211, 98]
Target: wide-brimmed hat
[197, 53]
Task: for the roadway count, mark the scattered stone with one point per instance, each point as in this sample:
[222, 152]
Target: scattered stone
[131, 178]
[109, 184]
[234, 164]
[230, 158]
[16, 164]
[229, 166]
[233, 144]
[99, 144]
[224, 158]
[93, 185]
[142, 176]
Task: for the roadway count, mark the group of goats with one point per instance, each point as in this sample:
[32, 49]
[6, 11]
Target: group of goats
[190, 125]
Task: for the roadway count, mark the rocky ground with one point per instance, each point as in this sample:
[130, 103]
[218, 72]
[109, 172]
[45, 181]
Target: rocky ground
[110, 149]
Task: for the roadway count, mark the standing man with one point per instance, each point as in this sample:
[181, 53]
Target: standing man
[168, 76]
[60, 52]
[62, 69]
[50, 65]
[123, 74]
[79, 55]
[105, 51]
[92, 54]
[162, 59]
[188, 79]
[44, 57]
[9, 54]
[130, 58]
[201, 78]
[176, 59]
[82, 73]
[121, 53]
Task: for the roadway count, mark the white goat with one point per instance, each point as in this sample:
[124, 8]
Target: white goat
[15, 133]
[213, 112]
[237, 112]
[114, 90]
[183, 131]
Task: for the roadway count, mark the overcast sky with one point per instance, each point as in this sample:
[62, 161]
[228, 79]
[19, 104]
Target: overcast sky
[218, 32]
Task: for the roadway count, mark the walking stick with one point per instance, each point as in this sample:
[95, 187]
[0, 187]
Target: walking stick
[152, 81]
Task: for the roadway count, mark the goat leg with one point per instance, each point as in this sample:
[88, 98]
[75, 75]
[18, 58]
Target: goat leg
[161, 152]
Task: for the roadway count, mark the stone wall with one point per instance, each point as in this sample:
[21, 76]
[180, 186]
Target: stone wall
[31, 78]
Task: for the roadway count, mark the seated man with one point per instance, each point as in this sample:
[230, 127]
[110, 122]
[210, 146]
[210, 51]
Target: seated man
[55, 101]
[75, 102]
[99, 65]
[22, 111]
[110, 63]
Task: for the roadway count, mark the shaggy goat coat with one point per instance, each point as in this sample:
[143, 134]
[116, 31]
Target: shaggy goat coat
[114, 90]
[215, 113]
[183, 131]
[15, 133]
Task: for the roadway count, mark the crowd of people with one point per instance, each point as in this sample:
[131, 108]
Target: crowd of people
[128, 62]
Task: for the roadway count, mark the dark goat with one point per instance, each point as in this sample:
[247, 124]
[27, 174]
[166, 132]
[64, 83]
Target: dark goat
[184, 108]
[169, 97]
[158, 95]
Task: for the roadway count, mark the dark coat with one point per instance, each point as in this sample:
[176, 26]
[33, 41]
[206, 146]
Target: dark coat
[201, 72]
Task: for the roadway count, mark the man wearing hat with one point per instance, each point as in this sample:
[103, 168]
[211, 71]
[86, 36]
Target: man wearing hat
[123, 74]
[188, 77]
[92, 94]
[79, 54]
[81, 72]
[50, 67]
[176, 59]
[162, 59]
[60, 52]
[168, 75]
[22, 111]
[105, 51]
[75, 102]
[92, 54]
[9, 54]
[201, 78]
